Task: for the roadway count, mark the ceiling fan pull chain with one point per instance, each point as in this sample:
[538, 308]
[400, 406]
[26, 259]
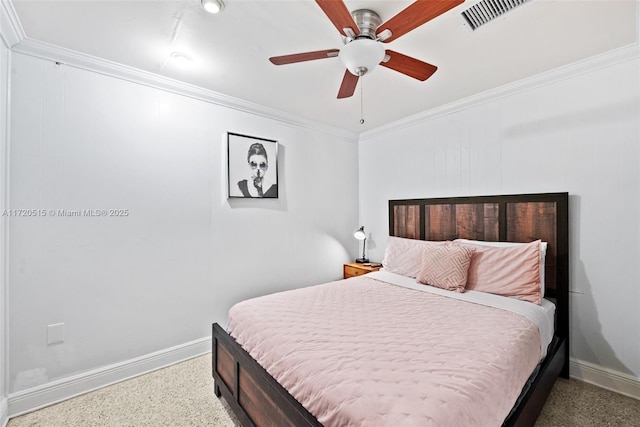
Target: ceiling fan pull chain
[361, 103]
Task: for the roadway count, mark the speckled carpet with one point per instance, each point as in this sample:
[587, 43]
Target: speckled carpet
[182, 395]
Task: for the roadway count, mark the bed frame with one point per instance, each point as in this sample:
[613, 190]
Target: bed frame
[259, 400]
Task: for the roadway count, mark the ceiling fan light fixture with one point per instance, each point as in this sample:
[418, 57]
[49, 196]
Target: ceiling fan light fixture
[361, 55]
[212, 6]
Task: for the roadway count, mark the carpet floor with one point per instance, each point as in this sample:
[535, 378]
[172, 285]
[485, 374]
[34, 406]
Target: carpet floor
[182, 395]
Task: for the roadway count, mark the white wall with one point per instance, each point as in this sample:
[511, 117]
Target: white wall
[126, 287]
[5, 55]
[579, 134]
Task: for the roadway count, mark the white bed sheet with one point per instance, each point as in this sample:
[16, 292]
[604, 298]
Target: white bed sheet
[543, 316]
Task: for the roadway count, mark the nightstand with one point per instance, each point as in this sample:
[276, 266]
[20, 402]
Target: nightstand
[353, 269]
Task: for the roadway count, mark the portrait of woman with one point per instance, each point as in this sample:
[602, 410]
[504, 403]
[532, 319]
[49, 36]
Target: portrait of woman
[252, 167]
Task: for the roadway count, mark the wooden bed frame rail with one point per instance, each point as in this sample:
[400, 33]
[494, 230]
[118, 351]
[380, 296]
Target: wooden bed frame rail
[256, 397]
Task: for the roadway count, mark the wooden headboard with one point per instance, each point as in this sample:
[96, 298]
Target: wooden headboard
[505, 218]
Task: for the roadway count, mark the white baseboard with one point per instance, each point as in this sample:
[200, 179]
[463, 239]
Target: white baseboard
[605, 378]
[4, 412]
[63, 389]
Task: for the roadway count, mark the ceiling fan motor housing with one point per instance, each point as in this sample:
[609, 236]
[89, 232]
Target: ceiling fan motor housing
[367, 21]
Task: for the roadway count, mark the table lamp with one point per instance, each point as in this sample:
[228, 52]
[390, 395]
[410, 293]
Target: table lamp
[360, 235]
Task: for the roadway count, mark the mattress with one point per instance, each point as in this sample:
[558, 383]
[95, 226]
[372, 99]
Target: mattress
[372, 351]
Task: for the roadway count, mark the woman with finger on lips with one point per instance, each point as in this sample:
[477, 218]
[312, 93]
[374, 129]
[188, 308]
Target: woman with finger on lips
[259, 164]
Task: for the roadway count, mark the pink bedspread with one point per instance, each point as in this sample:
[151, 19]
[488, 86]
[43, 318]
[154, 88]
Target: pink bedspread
[362, 352]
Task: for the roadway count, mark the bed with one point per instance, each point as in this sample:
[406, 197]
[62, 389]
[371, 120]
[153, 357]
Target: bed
[258, 399]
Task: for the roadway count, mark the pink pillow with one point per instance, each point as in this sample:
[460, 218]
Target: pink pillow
[543, 254]
[404, 256]
[508, 271]
[445, 267]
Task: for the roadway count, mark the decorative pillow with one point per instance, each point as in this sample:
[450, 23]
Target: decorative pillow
[445, 267]
[511, 271]
[404, 256]
[543, 254]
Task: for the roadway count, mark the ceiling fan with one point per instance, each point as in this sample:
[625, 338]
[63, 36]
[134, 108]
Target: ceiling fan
[363, 35]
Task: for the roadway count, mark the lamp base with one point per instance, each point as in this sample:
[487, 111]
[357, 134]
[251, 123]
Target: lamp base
[362, 260]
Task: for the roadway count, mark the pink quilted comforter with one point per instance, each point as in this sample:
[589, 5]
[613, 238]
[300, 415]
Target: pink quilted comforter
[365, 353]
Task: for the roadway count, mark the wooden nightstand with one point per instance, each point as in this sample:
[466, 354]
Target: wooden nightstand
[353, 269]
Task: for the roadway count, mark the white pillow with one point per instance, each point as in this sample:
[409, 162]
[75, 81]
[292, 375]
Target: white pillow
[543, 253]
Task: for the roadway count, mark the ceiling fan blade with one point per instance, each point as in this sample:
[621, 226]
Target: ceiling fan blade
[409, 66]
[414, 15]
[301, 57]
[339, 15]
[348, 86]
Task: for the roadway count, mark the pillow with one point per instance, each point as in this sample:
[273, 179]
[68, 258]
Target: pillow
[404, 256]
[445, 267]
[543, 254]
[511, 271]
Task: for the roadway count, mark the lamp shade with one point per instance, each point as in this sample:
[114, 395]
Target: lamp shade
[360, 234]
[361, 55]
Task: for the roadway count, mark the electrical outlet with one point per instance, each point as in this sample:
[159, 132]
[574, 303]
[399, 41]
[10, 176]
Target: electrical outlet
[55, 333]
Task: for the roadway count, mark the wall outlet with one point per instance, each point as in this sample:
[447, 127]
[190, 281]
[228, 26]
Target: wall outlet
[55, 333]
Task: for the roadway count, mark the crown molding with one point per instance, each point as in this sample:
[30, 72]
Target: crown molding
[604, 60]
[13, 35]
[11, 30]
[102, 66]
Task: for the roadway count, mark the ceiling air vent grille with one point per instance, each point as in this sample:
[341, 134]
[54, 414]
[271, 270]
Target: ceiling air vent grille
[487, 10]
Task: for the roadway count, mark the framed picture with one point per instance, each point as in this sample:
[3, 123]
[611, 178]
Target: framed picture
[252, 167]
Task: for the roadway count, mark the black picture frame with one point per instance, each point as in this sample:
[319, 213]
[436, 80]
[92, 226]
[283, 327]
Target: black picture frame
[252, 167]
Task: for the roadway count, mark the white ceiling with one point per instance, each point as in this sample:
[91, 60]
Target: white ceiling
[230, 51]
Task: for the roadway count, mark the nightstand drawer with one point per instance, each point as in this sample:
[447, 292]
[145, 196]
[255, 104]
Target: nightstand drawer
[354, 269]
[350, 271]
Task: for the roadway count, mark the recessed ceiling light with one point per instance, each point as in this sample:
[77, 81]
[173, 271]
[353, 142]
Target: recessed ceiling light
[212, 6]
[180, 58]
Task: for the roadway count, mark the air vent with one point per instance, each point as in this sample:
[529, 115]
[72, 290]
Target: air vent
[487, 10]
